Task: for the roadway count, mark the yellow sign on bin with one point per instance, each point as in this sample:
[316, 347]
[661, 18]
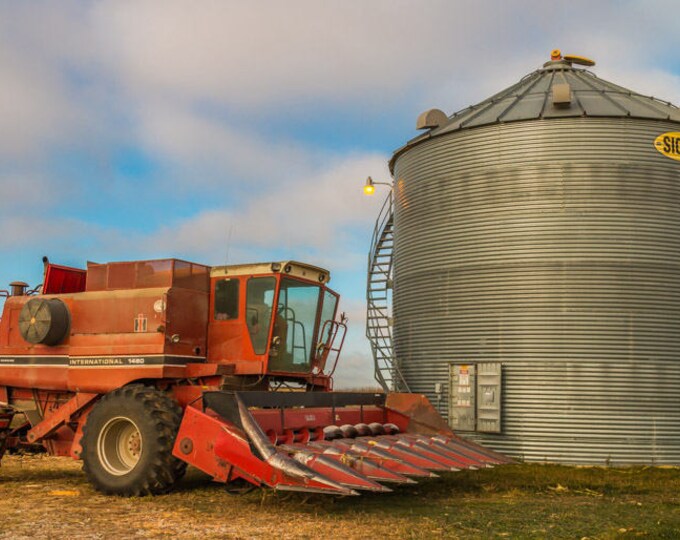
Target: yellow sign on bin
[669, 144]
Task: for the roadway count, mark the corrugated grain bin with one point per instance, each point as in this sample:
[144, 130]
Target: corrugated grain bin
[537, 269]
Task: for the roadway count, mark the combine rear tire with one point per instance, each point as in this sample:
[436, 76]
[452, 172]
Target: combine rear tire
[127, 442]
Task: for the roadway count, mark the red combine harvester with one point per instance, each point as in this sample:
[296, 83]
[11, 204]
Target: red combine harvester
[140, 368]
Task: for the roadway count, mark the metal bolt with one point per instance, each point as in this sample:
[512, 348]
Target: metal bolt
[186, 446]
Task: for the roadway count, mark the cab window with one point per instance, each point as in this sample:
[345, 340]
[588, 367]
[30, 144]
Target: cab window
[226, 299]
[259, 308]
[296, 325]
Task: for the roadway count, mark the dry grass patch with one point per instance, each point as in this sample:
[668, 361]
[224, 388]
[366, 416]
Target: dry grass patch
[44, 497]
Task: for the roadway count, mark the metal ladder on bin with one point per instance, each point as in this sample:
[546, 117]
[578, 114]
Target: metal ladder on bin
[379, 301]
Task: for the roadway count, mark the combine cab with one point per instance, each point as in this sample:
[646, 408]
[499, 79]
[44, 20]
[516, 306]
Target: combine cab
[140, 368]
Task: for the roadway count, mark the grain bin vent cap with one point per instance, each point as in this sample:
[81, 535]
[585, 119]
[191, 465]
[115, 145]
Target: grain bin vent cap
[532, 98]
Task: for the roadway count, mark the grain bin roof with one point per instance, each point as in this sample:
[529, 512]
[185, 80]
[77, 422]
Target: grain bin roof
[541, 95]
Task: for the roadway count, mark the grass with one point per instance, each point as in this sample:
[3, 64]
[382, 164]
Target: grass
[44, 497]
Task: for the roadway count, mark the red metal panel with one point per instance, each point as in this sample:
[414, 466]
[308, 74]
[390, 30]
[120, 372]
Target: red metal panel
[216, 447]
[195, 444]
[185, 316]
[94, 379]
[63, 279]
[43, 377]
[228, 340]
[192, 276]
[422, 416]
[148, 274]
[103, 379]
[60, 417]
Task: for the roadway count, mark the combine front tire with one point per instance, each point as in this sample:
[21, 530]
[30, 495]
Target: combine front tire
[127, 442]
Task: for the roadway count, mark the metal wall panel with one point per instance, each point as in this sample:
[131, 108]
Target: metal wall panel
[553, 247]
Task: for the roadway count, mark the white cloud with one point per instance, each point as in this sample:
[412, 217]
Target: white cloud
[354, 372]
[264, 53]
[319, 209]
[35, 109]
[216, 152]
[18, 232]
[255, 55]
[150, 65]
[22, 190]
[650, 82]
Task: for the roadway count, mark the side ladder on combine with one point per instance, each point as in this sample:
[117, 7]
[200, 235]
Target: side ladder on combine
[379, 300]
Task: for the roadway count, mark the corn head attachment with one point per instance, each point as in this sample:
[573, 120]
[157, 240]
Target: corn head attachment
[324, 442]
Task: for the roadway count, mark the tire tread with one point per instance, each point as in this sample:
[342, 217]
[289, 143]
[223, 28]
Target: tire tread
[164, 469]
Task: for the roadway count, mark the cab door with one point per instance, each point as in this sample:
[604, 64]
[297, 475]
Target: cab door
[226, 326]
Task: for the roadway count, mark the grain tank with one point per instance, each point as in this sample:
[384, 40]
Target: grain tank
[536, 260]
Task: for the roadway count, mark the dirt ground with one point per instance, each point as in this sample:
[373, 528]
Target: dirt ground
[44, 497]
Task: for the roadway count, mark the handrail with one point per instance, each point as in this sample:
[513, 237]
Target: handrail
[378, 329]
[385, 214]
[337, 327]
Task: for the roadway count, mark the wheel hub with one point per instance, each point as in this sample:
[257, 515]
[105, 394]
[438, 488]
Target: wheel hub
[119, 446]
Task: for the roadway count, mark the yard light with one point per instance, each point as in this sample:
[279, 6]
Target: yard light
[369, 187]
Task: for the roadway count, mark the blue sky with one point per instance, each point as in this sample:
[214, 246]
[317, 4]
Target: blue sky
[143, 129]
